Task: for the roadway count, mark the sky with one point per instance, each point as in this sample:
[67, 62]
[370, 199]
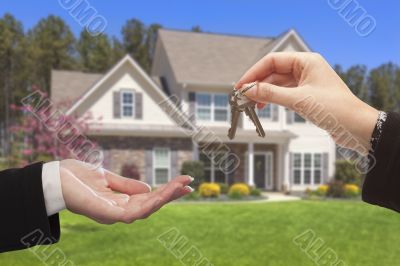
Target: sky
[322, 27]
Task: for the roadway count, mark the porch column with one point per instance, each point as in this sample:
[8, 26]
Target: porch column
[250, 152]
[286, 167]
[195, 151]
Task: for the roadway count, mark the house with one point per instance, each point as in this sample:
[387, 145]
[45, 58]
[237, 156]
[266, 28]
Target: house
[198, 70]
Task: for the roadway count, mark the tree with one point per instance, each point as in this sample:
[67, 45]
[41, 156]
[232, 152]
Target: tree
[150, 44]
[118, 50]
[52, 47]
[196, 28]
[355, 78]
[95, 52]
[133, 33]
[13, 71]
[34, 138]
[383, 88]
[139, 41]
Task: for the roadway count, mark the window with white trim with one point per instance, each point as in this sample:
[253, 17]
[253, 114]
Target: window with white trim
[212, 170]
[212, 107]
[307, 168]
[161, 165]
[127, 103]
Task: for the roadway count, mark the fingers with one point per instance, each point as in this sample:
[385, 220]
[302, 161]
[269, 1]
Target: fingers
[139, 209]
[280, 63]
[126, 185]
[269, 93]
[285, 80]
[261, 105]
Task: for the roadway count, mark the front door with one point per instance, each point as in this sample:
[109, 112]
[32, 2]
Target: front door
[263, 170]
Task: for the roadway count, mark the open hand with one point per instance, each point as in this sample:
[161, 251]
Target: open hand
[108, 198]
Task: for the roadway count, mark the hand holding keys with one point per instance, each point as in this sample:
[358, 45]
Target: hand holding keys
[239, 103]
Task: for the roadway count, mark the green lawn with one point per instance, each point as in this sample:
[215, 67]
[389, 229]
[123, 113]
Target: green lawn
[234, 234]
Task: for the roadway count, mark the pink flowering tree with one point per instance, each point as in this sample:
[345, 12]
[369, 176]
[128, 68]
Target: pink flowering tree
[40, 134]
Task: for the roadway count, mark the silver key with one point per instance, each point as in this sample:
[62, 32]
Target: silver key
[240, 103]
[234, 122]
[251, 113]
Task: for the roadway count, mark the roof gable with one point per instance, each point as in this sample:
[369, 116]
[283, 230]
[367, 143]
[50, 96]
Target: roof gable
[125, 65]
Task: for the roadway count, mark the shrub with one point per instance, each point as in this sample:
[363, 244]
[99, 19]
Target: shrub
[336, 189]
[130, 170]
[351, 190]
[192, 196]
[194, 169]
[209, 190]
[235, 194]
[241, 188]
[322, 190]
[224, 188]
[347, 172]
[255, 192]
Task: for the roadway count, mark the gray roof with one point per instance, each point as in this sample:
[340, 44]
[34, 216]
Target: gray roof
[69, 85]
[212, 58]
[194, 58]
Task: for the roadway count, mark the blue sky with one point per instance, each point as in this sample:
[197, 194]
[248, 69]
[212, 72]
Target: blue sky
[322, 28]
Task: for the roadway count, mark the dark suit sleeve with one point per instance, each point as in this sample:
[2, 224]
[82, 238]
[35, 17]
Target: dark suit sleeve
[24, 222]
[382, 183]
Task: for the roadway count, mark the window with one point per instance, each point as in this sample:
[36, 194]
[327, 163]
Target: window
[203, 103]
[297, 168]
[162, 163]
[212, 107]
[213, 172]
[127, 103]
[298, 118]
[220, 107]
[307, 168]
[265, 113]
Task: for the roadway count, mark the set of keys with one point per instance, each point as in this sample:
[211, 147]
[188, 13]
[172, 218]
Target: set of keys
[240, 103]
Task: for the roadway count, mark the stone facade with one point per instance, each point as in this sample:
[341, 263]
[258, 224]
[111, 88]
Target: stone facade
[119, 151]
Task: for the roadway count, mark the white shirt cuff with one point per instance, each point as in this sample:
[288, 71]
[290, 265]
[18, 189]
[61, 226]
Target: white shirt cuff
[52, 190]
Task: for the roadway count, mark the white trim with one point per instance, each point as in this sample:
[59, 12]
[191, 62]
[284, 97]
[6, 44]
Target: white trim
[293, 33]
[154, 164]
[212, 107]
[311, 168]
[125, 59]
[250, 162]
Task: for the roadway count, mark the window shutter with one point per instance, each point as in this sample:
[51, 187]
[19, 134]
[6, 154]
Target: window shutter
[138, 105]
[174, 164]
[149, 166]
[117, 104]
[289, 116]
[192, 106]
[325, 167]
[275, 112]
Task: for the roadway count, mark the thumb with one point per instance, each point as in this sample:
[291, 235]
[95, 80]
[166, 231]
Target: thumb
[269, 93]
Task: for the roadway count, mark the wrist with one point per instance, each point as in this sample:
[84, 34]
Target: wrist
[364, 124]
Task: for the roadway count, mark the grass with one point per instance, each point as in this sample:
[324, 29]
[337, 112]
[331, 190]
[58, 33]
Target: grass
[233, 234]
